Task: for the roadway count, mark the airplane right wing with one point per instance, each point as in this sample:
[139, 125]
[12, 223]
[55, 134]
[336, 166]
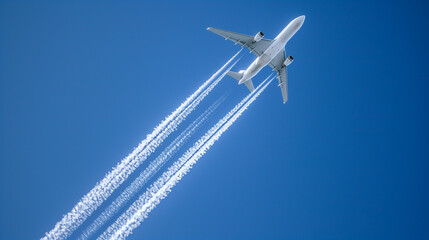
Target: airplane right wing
[258, 48]
[282, 76]
[278, 65]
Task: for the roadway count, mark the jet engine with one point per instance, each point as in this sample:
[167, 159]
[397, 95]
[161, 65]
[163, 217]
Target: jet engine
[288, 61]
[258, 36]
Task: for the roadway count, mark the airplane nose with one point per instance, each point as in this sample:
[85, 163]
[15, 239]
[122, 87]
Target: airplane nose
[301, 19]
[297, 23]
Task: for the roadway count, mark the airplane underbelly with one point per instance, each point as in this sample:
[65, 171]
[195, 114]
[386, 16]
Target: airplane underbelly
[253, 70]
[261, 61]
[272, 51]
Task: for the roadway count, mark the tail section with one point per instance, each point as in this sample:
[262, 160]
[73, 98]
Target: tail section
[249, 85]
[239, 76]
[235, 75]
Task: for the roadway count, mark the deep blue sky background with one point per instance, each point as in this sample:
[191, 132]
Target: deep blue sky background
[345, 158]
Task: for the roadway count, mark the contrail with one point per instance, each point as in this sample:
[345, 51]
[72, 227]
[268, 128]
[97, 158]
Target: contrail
[153, 167]
[139, 210]
[118, 174]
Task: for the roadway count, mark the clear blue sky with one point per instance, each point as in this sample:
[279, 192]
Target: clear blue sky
[345, 158]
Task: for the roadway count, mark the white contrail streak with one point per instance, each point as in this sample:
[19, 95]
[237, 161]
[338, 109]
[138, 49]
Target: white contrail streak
[140, 209]
[153, 167]
[123, 169]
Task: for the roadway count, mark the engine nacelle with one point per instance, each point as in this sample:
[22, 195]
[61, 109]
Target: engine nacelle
[258, 37]
[288, 61]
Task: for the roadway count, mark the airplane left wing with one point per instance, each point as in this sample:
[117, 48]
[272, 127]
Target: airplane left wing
[257, 47]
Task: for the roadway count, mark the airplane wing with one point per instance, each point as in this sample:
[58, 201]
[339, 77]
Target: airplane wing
[282, 76]
[278, 65]
[244, 40]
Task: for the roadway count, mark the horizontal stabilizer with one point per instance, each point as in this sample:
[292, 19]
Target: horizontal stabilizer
[235, 75]
[249, 85]
[239, 76]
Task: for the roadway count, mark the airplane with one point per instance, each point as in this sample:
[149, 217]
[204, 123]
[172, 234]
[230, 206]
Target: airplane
[268, 52]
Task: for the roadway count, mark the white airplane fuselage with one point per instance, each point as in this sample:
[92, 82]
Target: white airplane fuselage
[278, 45]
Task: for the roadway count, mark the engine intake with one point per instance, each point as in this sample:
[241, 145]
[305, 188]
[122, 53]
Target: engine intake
[258, 37]
[288, 61]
